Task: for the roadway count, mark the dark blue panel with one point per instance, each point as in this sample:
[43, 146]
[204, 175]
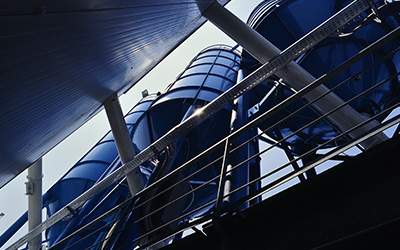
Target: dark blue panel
[223, 71]
[141, 138]
[218, 82]
[210, 52]
[196, 69]
[226, 61]
[87, 170]
[108, 137]
[204, 59]
[105, 152]
[229, 54]
[208, 95]
[191, 80]
[133, 117]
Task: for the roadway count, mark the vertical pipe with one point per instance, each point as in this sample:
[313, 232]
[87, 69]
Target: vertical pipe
[263, 50]
[135, 179]
[34, 192]
[239, 176]
[224, 182]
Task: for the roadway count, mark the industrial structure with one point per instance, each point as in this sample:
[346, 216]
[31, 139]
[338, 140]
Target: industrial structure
[315, 81]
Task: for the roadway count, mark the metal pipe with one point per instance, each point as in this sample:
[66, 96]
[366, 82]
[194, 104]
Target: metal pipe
[224, 181]
[135, 179]
[264, 51]
[35, 201]
[240, 176]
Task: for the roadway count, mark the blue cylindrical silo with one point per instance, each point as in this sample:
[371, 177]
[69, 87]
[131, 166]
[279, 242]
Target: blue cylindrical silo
[283, 22]
[100, 161]
[209, 74]
[79, 179]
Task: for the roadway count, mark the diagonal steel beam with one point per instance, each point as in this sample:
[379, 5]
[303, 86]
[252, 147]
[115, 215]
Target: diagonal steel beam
[123, 141]
[292, 73]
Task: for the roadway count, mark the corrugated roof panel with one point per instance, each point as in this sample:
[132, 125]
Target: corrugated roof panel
[60, 60]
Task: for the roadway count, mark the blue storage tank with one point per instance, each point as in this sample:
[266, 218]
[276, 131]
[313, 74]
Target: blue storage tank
[285, 21]
[100, 161]
[208, 75]
[78, 179]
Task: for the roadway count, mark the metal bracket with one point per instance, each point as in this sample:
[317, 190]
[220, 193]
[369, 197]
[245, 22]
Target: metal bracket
[253, 110]
[374, 7]
[29, 188]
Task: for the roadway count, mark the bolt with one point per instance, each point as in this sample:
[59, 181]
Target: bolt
[41, 10]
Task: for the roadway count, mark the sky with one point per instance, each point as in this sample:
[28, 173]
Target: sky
[14, 202]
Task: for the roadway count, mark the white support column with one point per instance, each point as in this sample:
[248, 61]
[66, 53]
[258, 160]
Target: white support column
[136, 180]
[293, 74]
[35, 202]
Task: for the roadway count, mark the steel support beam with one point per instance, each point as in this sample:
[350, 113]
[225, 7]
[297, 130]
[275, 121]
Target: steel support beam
[293, 74]
[123, 141]
[35, 201]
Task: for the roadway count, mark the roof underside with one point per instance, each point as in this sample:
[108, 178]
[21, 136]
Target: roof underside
[59, 61]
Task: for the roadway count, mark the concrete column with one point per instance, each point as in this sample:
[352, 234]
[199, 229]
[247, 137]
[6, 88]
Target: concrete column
[35, 202]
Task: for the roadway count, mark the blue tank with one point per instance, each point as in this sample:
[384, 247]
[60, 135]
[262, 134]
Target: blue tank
[77, 180]
[208, 75]
[283, 22]
[100, 161]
